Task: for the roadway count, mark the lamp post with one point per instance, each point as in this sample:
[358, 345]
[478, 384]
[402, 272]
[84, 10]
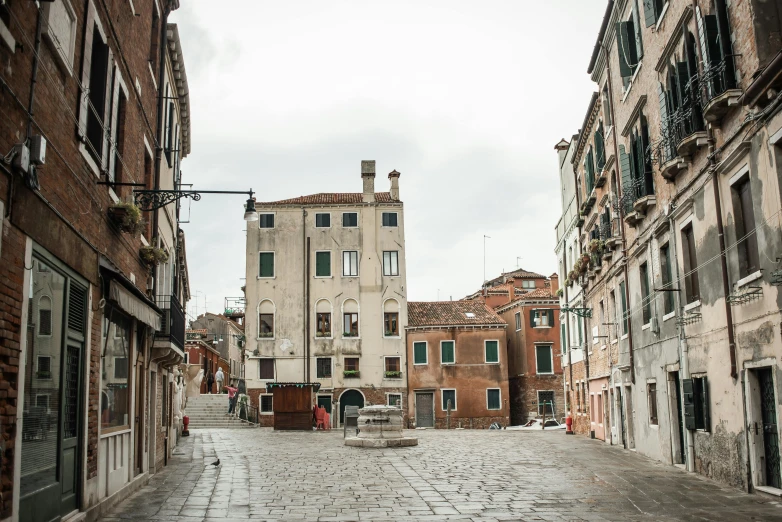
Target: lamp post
[147, 199]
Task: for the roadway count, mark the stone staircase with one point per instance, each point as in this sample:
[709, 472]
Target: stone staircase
[210, 412]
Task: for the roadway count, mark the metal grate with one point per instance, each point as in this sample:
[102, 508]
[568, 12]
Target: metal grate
[77, 307]
[71, 393]
[546, 402]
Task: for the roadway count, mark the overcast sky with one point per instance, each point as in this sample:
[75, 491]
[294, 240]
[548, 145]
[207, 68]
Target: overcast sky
[465, 98]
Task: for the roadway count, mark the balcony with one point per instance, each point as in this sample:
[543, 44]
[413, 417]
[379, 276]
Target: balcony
[718, 90]
[172, 325]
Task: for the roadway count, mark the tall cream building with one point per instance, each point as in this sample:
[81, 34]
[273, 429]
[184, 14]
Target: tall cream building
[327, 297]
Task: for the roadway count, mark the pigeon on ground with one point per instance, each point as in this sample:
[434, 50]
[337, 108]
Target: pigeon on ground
[216, 463]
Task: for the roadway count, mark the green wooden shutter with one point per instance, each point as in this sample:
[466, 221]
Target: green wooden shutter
[705, 413]
[493, 399]
[623, 47]
[551, 317]
[543, 356]
[726, 48]
[266, 262]
[650, 14]
[600, 148]
[639, 45]
[627, 172]
[419, 354]
[688, 393]
[492, 352]
[322, 264]
[532, 318]
[663, 120]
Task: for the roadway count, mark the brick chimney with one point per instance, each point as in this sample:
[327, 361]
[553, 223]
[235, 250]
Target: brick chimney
[394, 177]
[561, 149]
[554, 283]
[368, 177]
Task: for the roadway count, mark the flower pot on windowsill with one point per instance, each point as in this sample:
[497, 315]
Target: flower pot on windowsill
[349, 334]
[322, 334]
[391, 334]
[153, 256]
[265, 335]
[351, 374]
[393, 375]
[127, 217]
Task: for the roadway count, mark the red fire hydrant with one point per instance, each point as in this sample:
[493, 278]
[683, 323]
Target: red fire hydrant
[569, 425]
[185, 421]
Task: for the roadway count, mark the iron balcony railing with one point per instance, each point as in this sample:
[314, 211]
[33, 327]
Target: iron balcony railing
[172, 326]
[716, 79]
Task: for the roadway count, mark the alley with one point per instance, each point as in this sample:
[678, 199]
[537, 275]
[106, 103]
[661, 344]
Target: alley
[451, 475]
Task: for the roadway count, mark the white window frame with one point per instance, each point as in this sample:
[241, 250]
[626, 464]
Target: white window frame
[517, 316]
[396, 394]
[343, 219]
[331, 363]
[389, 272]
[331, 265]
[274, 369]
[343, 263]
[65, 56]
[551, 353]
[274, 270]
[51, 317]
[441, 352]
[443, 406]
[38, 367]
[538, 316]
[274, 324]
[320, 214]
[389, 226]
[498, 351]
[499, 390]
[401, 370]
[274, 218]
[118, 87]
[342, 318]
[331, 319]
[426, 343]
[527, 284]
[48, 400]
[260, 402]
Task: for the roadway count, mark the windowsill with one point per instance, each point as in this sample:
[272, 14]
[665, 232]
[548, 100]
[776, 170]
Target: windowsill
[350, 227]
[323, 338]
[266, 278]
[90, 160]
[487, 362]
[541, 327]
[609, 131]
[152, 75]
[646, 326]
[267, 413]
[447, 363]
[265, 338]
[420, 364]
[654, 426]
[615, 341]
[118, 430]
[662, 15]
[544, 373]
[692, 306]
[8, 40]
[751, 277]
[350, 276]
[518, 329]
[603, 347]
[265, 228]
[669, 316]
[351, 337]
[625, 336]
[391, 276]
[392, 337]
[322, 228]
[384, 226]
[632, 81]
[324, 277]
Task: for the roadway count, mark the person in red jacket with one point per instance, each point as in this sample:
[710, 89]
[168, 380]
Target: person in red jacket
[232, 397]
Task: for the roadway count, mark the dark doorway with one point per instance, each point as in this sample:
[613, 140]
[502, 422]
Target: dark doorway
[770, 432]
[349, 398]
[679, 417]
[424, 410]
[325, 401]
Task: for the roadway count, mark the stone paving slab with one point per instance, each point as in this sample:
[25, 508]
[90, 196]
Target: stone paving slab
[476, 475]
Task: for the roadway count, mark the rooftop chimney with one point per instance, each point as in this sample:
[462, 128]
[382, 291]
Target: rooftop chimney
[554, 283]
[368, 176]
[394, 177]
[561, 149]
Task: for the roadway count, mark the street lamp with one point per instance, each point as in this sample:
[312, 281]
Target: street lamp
[154, 199]
[250, 214]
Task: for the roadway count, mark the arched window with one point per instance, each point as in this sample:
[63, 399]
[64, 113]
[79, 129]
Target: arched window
[45, 315]
[266, 319]
[391, 318]
[323, 318]
[350, 318]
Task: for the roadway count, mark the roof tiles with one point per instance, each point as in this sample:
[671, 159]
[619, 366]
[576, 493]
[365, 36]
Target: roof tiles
[331, 198]
[451, 313]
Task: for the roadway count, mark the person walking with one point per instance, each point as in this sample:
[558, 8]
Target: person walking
[210, 380]
[232, 397]
[219, 377]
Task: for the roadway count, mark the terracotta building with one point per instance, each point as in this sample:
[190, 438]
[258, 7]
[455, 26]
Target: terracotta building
[200, 350]
[456, 352]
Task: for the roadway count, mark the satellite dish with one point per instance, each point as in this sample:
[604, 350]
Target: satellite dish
[286, 345]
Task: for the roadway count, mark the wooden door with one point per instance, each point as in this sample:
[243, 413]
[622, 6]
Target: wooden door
[424, 410]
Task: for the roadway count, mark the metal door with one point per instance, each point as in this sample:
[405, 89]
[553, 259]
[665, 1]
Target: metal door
[139, 414]
[770, 431]
[680, 417]
[350, 398]
[620, 398]
[424, 410]
[69, 443]
[325, 401]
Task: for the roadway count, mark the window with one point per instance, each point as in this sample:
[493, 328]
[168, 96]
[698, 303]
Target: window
[350, 318]
[665, 271]
[493, 401]
[607, 106]
[351, 365]
[42, 401]
[543, 318]
[651, 393]
[323, 220]
[44, 367]
[323, 367]
[323, 323]
[447, 352]
[267, 404]
[322, 264]
[746, 234]
[266, 369]
[389, 219]
[115, 384]
[696, 404]
[115, 171]
[393, 368]
[614, 328]
[350, 219]
[448, 400]
[518, 321]
[391, 324]
[546, 401]
[265, 220]
[625, 319]
[420, 355]
[350, 263]
[544, 359]
[60, 30]
[629, 45]
[645, 300]
[691, 285]
[653, 9]
[266, 319]
[266, 264]
[492, 351]
[528, 284]
[394, 399]
[391, 263]
[45, 316]
[94, 104]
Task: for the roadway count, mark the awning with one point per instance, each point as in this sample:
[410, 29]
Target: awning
[134, 306]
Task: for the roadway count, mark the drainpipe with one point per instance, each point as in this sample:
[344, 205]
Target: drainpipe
[567, 326]
[306, 300]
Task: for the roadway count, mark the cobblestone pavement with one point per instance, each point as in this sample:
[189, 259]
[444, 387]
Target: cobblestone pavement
[451, 475]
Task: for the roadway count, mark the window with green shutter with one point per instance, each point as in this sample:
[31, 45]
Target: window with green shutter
[545, 363]
[449, 397]
[322, 264]
[493, 399]
[492, 351]
[265, 220]
[419, 353]
[266, 264]
[447, 352]
[350, 219]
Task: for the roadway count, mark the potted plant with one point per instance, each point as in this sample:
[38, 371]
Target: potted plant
[127, 217]
[585, 258]
[350, 334]
[321, 334]
[153, 256]
[389, 333]
[596, 246]
[572, 275]
[560, 292]
[393, 374]
[350, 373]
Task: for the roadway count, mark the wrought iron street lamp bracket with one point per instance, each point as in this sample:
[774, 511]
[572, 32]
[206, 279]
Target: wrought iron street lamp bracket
[580, 312]
[155, 199]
